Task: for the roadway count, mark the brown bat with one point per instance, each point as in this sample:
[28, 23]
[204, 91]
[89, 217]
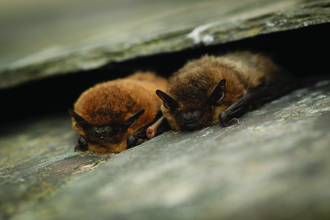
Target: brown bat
[212, 89]
[114, 115]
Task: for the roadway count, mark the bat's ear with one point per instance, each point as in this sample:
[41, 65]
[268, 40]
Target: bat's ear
[81, 122]
[218, 93]
[169, 102]
[130, 121]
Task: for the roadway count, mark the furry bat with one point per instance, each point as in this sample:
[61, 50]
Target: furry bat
[214, 89]
[114, 115]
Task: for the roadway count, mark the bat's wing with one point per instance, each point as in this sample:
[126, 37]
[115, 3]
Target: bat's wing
[82, 144]
[259, 95]
[138, 137]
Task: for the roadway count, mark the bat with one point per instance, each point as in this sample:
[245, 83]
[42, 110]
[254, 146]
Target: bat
[216, 89]
[113, 116]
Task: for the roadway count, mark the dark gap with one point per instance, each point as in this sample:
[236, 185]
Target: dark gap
[302, 51]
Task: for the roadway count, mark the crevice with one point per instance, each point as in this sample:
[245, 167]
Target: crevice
[302, 51]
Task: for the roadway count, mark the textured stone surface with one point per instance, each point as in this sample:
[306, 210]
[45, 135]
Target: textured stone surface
[274, 165]
[156, 28]
[37, 158]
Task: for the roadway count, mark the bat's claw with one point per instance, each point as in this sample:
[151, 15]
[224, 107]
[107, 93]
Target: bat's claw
[225, 121]
[233, 121]
[140, 141]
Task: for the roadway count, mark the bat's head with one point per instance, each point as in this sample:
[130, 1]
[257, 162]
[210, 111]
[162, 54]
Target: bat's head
[108, 113]
[104, 135]
[191, 109]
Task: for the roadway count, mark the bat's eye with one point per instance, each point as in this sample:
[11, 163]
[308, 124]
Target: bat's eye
[117, 129]
[205, 109]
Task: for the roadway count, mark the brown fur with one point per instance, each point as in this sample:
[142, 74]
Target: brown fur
[193, 83]
[110, 103]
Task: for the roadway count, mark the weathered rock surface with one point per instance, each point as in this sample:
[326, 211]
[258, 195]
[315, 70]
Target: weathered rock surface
[146, 29]
[274, 165]
[37, 158]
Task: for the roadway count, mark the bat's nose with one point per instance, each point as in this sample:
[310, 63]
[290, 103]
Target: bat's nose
[101, 132]
[189, 117]
[192, 116]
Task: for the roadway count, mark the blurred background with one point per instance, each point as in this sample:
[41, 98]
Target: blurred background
[50, 27]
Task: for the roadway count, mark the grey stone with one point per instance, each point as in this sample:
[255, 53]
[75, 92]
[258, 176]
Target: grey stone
[179, 25]
[274, 165]
[37, 158]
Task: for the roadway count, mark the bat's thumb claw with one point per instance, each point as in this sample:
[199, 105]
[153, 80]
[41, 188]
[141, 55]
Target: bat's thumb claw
[140, 141]
[234, 121]
[226, 123]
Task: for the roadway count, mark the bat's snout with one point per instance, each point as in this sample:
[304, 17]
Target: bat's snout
[102, 132]
[192, 116]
